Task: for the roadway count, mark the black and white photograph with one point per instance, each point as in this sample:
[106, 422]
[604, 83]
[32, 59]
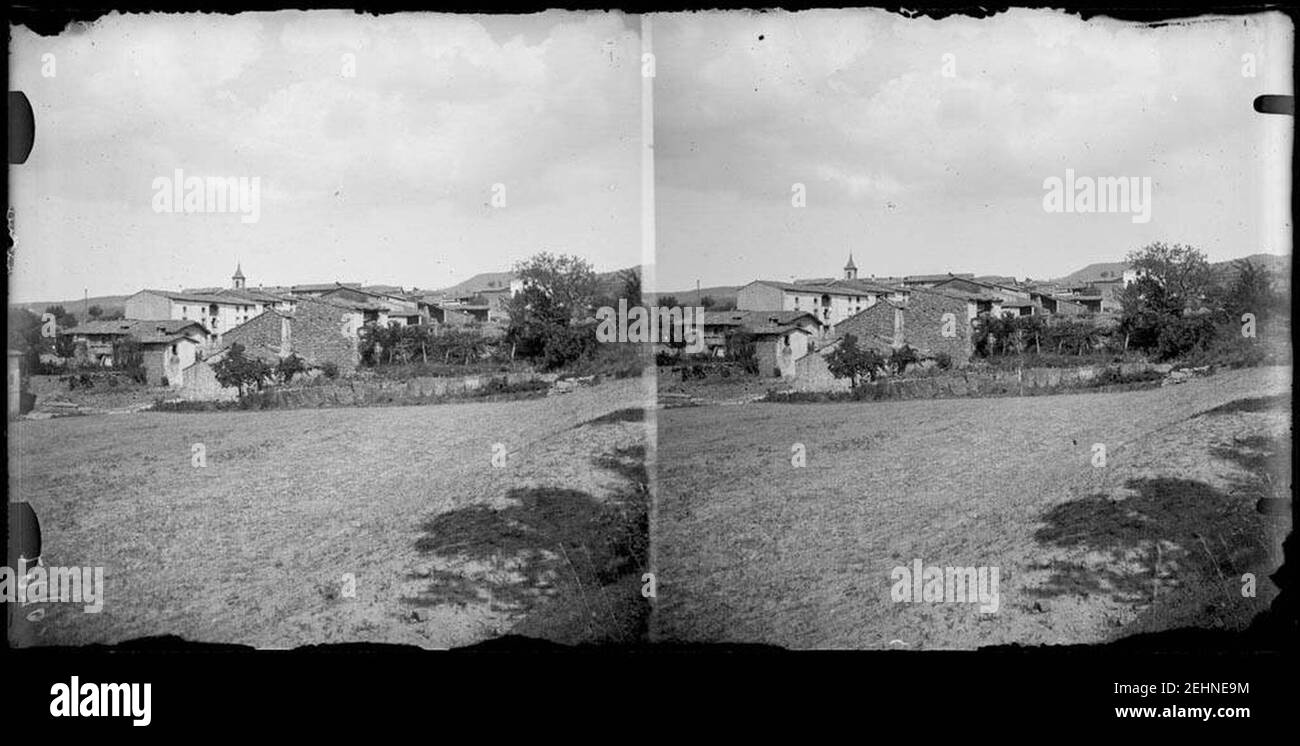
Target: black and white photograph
[300, 307]
[437, 337]
[1005, 308]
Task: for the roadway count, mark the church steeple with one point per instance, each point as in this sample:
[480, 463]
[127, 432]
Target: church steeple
[238, 278]
[850, 269]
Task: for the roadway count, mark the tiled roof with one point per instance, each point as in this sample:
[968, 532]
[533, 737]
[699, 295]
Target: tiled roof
[754, 318]
[834, 287]
[147, 331]
[229, 297]
[938, 278]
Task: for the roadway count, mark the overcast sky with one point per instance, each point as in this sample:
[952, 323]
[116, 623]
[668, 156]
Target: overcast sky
[385, 177]
[915, 172]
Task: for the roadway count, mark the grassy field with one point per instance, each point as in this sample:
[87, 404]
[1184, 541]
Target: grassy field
[750, 548]
[347, 525]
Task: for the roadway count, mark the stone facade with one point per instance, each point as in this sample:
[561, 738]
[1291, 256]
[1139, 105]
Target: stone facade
[317, 331]
[922, 323]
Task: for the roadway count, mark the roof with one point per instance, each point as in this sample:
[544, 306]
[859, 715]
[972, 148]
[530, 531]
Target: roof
[939, 278]
[145, 330]
[319, 286]
[954, 294]
[755, 318]
[835, 287]
[229, 297]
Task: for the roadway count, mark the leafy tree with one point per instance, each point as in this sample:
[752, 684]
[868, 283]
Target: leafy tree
[741, 348]
[630, 279]
[1251, 291]
[25, 335]
[238, 370]
[288, 367]
[558, 291]
[567, 282]
[1182, 272]
[901, 357]
[1184, 335]
[95, 312]
[667, 301]
[128, 356]
[62, 317]
[852, 362]
[563, 344]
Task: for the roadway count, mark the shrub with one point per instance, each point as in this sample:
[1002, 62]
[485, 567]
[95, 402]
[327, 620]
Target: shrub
[288, 367]
[330, 369]
[943, 360]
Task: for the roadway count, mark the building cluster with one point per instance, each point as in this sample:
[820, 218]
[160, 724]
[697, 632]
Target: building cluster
[932, 313]
[181, 333]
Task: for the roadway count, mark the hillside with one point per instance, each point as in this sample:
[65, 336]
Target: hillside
[109, 303]
[1279, 265]
[608, 283]
[720, 293]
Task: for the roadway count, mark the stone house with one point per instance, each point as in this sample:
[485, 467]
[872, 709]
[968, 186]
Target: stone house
[931, 321]
[168, 345]
[720, 325]
[318, 331]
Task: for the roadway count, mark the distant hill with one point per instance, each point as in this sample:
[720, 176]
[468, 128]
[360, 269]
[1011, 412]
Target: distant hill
[1094, 273]
[109, 303]
[607, 283]
[1223, 272]
[478, 283]
[720, 293]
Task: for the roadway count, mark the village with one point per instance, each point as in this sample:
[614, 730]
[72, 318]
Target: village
[784, 331]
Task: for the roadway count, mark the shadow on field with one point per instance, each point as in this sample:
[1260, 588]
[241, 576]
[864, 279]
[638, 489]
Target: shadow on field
[630, 414]
[1207, 539]
[1277, 402]
[568, 560]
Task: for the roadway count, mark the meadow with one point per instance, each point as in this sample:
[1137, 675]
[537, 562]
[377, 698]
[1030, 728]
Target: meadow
[436, 526]
[753, 548]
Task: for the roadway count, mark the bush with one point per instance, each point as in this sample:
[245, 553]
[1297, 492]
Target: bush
[330, 369]
[1184, 335]
[290, 366]
[943, 360]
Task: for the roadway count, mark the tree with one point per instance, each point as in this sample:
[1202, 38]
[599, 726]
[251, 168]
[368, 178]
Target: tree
[558, 292]
[237, 369]
[901, 357]
[290, 366]
[741, 348]
[667, 301]
[62, 317]
[1182, 271]
[568, 282]
[95, 312]
[128, 356]
[1251, 291]
[851, 362]
[630, 279]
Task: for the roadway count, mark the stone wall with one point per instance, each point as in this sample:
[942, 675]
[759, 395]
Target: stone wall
[811, 374]
[200, 384]
[318, 332]
[923, 326]
[814, 377]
